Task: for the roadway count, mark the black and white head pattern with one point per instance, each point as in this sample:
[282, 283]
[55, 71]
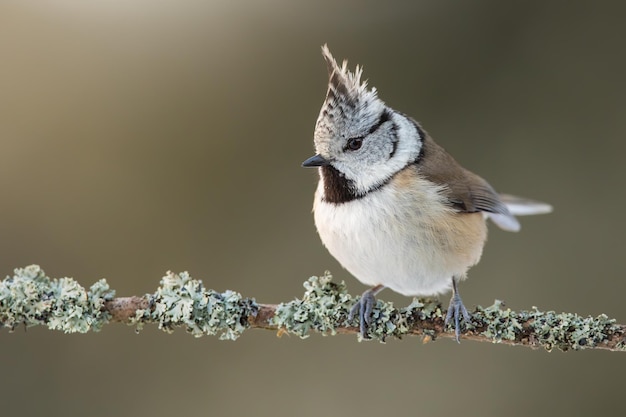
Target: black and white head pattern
[364, 141]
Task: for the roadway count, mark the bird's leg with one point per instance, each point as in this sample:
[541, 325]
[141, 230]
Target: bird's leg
[456, 308]
[364, 308]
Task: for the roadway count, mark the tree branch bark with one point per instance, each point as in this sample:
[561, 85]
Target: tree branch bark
[123, 308]
[31, 298]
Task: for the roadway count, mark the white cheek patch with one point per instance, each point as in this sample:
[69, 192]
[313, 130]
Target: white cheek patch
[368, 172]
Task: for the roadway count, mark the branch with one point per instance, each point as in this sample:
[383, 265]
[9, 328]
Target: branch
[31, 298]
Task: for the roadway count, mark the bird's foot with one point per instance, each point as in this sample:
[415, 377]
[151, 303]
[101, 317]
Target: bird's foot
[456, 309]
[363, 308]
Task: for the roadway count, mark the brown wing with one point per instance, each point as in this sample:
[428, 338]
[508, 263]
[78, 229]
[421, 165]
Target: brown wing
[466, 191]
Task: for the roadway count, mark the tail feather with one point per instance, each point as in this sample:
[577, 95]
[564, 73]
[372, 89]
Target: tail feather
[517, 206]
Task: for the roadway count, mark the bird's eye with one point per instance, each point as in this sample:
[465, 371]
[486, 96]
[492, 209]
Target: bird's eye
[355, 143]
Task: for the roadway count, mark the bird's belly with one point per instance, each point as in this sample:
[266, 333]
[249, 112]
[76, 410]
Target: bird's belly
[408, 247]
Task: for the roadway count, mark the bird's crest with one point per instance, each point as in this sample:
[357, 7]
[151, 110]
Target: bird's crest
[345, 86]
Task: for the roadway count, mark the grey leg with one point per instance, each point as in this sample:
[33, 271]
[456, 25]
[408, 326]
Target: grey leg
[456, 308]
[364, 308]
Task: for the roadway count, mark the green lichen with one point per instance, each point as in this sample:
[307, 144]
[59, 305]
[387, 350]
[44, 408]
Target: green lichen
[425, 309]
[325, 307]
[30, 298]
[565, 331]
[183, 301]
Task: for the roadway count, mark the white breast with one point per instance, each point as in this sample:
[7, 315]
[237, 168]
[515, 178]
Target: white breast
[403, 237]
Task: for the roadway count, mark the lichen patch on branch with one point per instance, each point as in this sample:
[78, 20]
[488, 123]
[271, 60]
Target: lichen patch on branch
[183, 301]
[325, 306]
[565, 331]
[29, 298]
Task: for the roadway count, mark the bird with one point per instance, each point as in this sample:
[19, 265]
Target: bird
[392, 206]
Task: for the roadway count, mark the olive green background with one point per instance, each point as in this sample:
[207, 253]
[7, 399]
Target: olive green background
[138, 137]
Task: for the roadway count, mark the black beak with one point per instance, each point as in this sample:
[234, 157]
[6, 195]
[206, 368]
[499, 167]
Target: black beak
[316, 161]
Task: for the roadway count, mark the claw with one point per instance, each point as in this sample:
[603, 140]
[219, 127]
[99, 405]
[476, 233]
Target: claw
[363, 308]
[455, 309]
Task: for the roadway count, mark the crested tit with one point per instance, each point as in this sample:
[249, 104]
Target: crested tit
[392, 206]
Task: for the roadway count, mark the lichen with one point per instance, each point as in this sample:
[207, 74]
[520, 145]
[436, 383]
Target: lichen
[183, 301]
[325, 307]
[30, 298]
[565, 331]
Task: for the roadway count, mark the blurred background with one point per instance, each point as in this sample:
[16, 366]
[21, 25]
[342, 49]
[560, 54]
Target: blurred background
[145, 136]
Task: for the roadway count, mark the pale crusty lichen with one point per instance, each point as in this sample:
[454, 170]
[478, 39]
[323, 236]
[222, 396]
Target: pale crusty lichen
[183, 301]
[565, 331]
[325, 307]
[30, 298]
